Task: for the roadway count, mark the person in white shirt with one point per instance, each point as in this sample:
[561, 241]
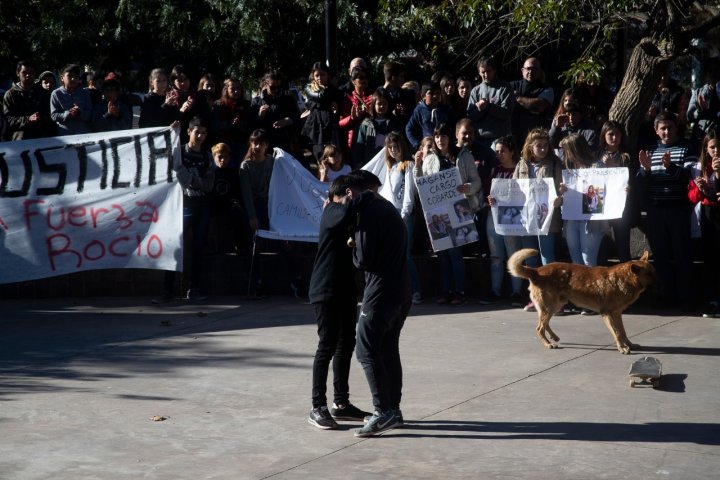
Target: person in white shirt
[399, 189]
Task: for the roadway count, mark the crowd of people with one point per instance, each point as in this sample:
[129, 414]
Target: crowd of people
[495, 129]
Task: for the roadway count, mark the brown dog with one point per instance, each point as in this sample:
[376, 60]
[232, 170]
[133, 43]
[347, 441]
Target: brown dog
[606, 290]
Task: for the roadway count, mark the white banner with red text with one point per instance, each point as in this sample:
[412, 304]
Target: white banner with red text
[88, 202]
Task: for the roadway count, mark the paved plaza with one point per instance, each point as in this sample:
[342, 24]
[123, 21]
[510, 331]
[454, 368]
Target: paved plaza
[81, 379]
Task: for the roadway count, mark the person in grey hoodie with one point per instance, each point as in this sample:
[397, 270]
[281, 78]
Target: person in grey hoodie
[491, 104]
[70, 105]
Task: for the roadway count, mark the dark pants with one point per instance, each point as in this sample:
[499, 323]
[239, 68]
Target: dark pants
[378, 351]
[710, 228]
[196, 222]
[668, 231]
[621, 233]
[336, 331]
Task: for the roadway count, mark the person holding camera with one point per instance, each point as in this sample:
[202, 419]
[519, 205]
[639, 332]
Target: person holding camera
[355, 106]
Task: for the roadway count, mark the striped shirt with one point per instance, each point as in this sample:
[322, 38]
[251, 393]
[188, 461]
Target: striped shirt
[665, 187]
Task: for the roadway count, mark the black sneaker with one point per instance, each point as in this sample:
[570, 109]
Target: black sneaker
[347, 412]
[321, 418]
[378, 423]
[570, 309]
[397, 413]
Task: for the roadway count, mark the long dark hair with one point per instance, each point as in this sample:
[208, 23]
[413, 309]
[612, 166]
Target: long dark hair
[453, 149]
[705, 159]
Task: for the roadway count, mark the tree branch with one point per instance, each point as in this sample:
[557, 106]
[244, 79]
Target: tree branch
[699, 30]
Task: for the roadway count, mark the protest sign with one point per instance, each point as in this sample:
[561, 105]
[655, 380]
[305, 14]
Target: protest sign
[296, 201]
[448, 215]
[594, 193]
[523, 206]
[86, 202]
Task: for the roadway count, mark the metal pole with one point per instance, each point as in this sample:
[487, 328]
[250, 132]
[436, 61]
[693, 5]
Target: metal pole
[252, 264]
[331, 35]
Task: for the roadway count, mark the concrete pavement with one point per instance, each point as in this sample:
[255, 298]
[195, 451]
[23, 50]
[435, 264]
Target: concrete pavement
[80, 380]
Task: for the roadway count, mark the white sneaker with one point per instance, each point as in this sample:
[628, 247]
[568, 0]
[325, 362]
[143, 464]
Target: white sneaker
[530, 307]
[417, 298]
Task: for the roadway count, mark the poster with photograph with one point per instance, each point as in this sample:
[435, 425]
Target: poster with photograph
[523, 207]
[447, 212]
[594, 193]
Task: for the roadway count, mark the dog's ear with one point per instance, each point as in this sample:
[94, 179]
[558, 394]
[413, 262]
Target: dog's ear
[645, 256]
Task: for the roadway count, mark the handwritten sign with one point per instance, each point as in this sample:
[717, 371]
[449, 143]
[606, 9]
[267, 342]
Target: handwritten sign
[296, 201]
[448, 215]
[594, 193]
[86, 202]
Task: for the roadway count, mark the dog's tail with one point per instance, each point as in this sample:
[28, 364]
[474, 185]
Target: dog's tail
[515, 263]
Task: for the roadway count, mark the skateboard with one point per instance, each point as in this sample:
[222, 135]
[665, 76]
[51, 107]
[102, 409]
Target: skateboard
[645, 371]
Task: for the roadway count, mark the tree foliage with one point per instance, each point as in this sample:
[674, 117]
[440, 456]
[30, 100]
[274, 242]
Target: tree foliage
[576, 36]
[238, 37]
[580, 34]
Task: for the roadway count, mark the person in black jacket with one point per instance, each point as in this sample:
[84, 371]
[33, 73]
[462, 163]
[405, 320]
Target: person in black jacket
[323, 104]
[275, 112]
[160, 106]
[379, 250]
[334, 295]
[26, 107]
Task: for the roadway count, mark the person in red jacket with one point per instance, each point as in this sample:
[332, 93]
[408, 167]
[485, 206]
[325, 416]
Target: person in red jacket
[704, 189]
[355, 107]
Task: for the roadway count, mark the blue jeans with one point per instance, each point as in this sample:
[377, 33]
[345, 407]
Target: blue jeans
[500, 247]
[452, 266]
[583, 245]
[547, 248]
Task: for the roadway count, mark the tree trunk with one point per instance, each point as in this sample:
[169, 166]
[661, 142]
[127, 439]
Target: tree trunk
[642, 77]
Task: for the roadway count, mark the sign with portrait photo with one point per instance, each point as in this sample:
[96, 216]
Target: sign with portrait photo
[447, 212]
[594, 193]
[523, 206]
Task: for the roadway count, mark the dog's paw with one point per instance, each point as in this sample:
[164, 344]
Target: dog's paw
[624, 350]
[552, 346]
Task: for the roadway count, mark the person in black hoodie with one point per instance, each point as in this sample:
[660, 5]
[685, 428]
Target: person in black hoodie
[379, 246]
[334, 295]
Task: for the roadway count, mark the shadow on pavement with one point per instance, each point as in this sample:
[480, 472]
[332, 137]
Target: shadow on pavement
[699, 433]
